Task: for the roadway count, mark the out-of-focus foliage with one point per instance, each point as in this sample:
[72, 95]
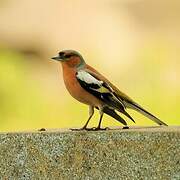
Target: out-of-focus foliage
[139, 53]
[21, 100]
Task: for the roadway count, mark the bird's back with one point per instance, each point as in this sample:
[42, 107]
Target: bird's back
[119, 93]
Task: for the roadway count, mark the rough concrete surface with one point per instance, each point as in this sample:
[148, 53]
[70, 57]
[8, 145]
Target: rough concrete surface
[139, 153]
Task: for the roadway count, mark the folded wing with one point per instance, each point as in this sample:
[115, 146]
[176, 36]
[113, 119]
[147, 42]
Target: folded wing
[101, 89]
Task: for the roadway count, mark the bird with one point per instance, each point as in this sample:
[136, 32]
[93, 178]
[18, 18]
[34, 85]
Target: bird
[88, 86]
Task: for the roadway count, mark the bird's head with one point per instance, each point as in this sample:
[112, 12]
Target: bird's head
[70, 57]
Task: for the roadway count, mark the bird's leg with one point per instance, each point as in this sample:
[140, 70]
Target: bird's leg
[91, 112]
[100, 120]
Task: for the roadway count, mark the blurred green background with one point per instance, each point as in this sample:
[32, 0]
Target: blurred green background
[135, 43]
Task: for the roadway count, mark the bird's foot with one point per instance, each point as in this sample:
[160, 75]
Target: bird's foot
[90, 129]
[101, 129]
[83, 129]
[125, 127]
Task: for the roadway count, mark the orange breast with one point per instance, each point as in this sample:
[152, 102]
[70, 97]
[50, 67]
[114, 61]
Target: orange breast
[74, 88]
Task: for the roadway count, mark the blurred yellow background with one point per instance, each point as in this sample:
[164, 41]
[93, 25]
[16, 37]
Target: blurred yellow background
[135, 43]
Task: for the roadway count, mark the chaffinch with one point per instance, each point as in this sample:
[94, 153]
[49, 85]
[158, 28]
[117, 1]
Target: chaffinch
[88, 86]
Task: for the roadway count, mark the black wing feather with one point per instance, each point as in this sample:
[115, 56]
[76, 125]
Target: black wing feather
[104, 92]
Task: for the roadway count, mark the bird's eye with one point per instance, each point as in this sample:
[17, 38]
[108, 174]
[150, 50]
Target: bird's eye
[61, 54]
[68, 55]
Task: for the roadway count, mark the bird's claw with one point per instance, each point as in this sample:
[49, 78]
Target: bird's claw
[101, 129]
[83, 129]
[90, 129]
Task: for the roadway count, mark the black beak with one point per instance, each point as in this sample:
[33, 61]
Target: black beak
[57, 58]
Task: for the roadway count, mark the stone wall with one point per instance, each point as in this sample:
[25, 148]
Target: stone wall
[138, 153]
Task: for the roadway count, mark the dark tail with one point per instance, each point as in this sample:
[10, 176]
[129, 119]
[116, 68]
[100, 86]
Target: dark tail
[126, 114]
[113, 114]
[141, 110]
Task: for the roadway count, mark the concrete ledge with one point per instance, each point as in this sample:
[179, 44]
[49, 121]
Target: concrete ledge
[139, 153]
